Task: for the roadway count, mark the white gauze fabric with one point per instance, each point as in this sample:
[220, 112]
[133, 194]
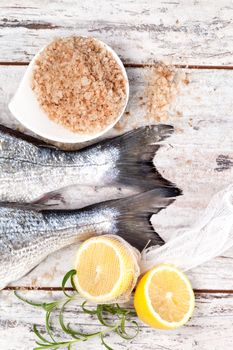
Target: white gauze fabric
[210, 237]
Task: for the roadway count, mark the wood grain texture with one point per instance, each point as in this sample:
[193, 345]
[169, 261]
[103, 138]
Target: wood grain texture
[199, 157]
[209, 328]
[202, 144]
[183, 32]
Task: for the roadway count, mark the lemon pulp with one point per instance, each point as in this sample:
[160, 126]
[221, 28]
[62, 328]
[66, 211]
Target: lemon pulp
[107, 268]
[164, 298]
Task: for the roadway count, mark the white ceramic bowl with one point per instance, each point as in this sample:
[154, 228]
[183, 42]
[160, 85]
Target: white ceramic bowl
[25, 107]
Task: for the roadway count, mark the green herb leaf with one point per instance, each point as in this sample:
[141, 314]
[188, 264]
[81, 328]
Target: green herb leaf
[122, 331]
[76, 334]
[120, 315]
[67, 329]
[100, 310]
[87, 311]
[28, 301]
[67, 276]
[38, 334]
[72, 282]
[50, 306]
[47, 325]
[61, 321]
[104, 343]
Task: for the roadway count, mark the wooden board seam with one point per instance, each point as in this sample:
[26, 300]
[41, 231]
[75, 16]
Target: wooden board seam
[134, 65]
[58, 289]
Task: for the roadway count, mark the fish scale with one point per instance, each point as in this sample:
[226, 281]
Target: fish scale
[39, 170]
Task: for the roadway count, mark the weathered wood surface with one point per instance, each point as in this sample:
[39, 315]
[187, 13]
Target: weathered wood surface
[209, 328]
[184, 32]
[202, 145]
[199, 157]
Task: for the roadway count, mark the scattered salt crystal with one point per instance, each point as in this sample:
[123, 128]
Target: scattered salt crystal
[84, 81]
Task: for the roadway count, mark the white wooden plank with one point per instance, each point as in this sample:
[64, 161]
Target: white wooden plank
[204, 132]
[209, 328]
[186, 32]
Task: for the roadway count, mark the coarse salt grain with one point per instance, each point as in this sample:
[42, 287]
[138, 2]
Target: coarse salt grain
[79, 84]
[162, 86]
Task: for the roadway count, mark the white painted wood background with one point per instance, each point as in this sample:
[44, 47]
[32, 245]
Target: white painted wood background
[196, 36]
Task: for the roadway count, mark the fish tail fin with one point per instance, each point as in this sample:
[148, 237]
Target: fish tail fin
[136, 152]
[133, 215]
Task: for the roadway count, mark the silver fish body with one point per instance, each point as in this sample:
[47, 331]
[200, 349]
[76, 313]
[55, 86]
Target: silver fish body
[28, 169]
[27, 236]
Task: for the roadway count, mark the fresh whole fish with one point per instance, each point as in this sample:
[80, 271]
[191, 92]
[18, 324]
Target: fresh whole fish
[30, 168]
[27, 236]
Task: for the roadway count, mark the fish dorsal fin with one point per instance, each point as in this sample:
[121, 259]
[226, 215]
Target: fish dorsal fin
[26, 206]
[30, 139]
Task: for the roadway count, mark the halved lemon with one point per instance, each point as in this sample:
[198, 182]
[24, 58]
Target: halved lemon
[107, 269]
[164, 298]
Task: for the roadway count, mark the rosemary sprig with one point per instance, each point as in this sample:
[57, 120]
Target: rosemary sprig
[121, 320]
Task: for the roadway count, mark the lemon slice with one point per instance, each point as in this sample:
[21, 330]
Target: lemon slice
[107, 269]
[164, 298]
